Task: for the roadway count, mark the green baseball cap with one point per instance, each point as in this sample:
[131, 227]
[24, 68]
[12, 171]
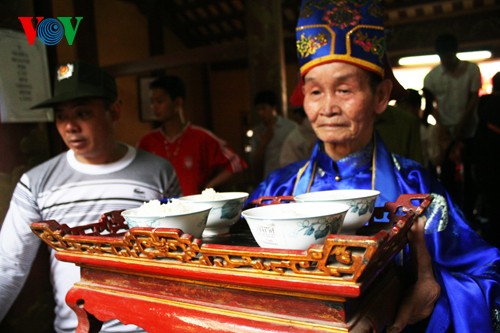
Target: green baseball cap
[79, 80]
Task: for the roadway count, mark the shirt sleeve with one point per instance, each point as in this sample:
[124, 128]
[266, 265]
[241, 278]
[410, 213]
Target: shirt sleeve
[18, 244]
[476, 79]
[220, 154]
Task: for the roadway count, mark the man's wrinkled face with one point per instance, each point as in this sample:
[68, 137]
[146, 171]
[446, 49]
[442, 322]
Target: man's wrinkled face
[340, 103]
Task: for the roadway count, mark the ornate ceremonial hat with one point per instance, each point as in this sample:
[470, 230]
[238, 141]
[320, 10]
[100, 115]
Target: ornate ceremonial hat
[350, 31]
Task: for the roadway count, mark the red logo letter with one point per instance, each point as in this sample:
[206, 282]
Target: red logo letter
[29, 29]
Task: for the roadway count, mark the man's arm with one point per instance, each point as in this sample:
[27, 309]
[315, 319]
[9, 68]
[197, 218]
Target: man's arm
[430, 105]
[472, 101]
[18, 248]
[419, 302]
[221, 178]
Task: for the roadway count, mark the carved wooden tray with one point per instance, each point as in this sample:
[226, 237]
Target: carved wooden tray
[343, 265]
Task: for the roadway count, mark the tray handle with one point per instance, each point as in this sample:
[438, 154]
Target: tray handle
[272, 200]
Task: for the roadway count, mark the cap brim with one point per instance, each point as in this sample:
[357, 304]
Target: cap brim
[63, 98]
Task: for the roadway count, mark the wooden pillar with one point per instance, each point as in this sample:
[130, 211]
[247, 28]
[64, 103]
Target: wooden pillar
[154, 13]
[86, 40]
[22, 146]
[266, 55]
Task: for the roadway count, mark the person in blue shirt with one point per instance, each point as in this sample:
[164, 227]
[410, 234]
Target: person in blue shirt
[341, 46]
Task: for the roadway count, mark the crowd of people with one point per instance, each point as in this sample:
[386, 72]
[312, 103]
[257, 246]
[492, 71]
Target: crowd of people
[344, 138]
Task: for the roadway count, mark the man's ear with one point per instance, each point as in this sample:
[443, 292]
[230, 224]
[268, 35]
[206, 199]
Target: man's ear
[116, 110]
[179, 108]
[383, 95]
[179, 102]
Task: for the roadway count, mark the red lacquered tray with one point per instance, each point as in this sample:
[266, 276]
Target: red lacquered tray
[343, 258]
[143, 261]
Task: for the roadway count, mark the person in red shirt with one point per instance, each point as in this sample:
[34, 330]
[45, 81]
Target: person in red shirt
[200, 158]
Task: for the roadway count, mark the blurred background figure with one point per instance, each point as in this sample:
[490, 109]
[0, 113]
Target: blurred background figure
[412, 103]
[454, 86]
[399, 129]
[299, 143]
[268, 135]
[200, 158]
[486, 160]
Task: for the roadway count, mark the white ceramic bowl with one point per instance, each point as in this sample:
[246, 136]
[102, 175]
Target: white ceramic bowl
[361, 205]
[294, 225]
[191, 217]
[226, 210]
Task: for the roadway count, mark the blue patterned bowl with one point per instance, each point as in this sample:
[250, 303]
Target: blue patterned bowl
[294, 225]
[361, 205]
[226, 210]
[191, 218]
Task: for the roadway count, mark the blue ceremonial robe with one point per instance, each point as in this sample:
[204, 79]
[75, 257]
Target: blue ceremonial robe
[465, 266]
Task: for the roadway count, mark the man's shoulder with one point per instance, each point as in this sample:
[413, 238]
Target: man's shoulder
[48, 165]
[155, 164]
[294, 134]
[151, 135]
[470, 64]
[200, 134]
[406, 116]
[435, 72]
[286, 123]
[193, 129]
[145, 156]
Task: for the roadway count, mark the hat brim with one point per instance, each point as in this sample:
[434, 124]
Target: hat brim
[51, 102]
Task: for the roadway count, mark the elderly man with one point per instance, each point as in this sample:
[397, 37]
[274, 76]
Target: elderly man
[340, 48]
[97, 174]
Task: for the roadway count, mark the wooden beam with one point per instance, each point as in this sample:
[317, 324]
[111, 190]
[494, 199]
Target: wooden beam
[201, 55]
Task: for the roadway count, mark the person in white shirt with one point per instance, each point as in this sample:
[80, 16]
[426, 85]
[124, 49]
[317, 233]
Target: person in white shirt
[96, 175]
[454, 86]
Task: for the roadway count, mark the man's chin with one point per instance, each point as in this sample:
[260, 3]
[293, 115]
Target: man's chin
[79, 148]
[332, 137]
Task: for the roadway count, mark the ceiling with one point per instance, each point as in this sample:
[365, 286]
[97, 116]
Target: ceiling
[411, 25]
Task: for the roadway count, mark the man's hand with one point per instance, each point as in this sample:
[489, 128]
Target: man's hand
[419, 302]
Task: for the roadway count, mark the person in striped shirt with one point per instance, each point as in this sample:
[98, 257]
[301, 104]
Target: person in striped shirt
[95, 175]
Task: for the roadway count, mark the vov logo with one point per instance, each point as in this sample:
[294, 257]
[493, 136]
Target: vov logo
[50, 31]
